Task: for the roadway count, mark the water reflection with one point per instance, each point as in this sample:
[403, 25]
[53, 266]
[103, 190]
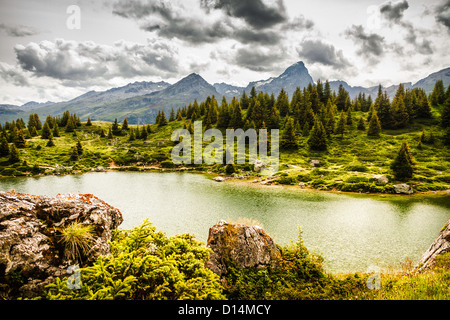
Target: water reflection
[351, 232]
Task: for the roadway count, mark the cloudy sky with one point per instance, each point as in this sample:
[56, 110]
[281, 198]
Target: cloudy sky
[56, 49]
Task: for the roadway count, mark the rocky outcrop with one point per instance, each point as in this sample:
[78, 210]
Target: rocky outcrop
[241, 245]
[31, 228]
[440, 246]
[259, 165]
[381, 178]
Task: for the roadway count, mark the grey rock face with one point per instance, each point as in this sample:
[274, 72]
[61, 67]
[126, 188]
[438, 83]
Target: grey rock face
[440, 246]
[31, 251]
[246, 246]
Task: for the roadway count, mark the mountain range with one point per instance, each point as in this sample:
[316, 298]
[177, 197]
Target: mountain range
[140, 101]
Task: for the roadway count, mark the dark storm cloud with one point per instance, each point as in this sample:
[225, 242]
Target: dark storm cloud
[189, 30]
[443, 13]
[83, 61]
[371, 45]
[244, 21]
[394, 11]
[315, 51]
[256, 59]
[18, 30]
[261, 37]
[255, 12]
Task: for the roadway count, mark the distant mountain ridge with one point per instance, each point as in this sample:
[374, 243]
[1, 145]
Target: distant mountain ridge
[140, 101]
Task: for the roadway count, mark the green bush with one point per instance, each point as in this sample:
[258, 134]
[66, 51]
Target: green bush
[168, 164]
[145, 265]
[286, 180]
[357, 167]
[304, 178]
[356, 179]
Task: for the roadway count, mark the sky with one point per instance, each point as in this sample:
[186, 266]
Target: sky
[55, 50]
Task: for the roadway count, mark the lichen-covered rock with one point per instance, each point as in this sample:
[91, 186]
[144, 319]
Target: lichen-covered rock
[245, 246]
[403, 188]
[440, 246]
[31, 251]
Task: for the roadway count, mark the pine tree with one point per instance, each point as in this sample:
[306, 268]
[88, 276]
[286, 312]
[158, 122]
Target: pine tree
[102, 133]
[374, 126]
[79, 148]
[115, 128]
[318, 137]
[4, 146]
[340, 128]
[382, 106]
[172, 115]
[144, 133]
[445, 115]
[349, 117]
[447, 137]
[361, 124]
[162, 121]
[14, 155]
[224, 115]
[179, 115]
[20, 141]
[110, 134]
[46, 132]
[131, 136]
[89, 123]
[236, 120]
[55, 130]
[282, 103]
[125, 124]
[402, 166]
[438, 95]
[50, 142]
[71, 124]
[399, 113]
[74, 155]
[288, 139]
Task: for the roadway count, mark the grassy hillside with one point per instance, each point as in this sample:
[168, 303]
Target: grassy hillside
[348, 164]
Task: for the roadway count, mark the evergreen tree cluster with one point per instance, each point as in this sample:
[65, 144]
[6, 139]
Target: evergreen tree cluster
[315, 113]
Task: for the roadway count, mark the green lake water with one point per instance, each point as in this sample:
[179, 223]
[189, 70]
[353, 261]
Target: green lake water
[351, 232]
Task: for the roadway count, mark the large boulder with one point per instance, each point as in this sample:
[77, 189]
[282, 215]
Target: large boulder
[440, 246]
[31, 250]
[244, 246]
[381, 178]
[403, 188]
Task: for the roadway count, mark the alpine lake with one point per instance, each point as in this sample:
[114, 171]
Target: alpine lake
[352, 232]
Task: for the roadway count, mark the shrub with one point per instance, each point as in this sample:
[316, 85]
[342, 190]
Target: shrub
[356, 179]
[286, 180]
[357, 167]
[145, 265]
[77, 240]
[167, 164]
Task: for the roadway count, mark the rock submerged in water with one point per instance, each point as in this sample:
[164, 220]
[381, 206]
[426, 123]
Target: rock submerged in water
[247, 246]
[31, 253]
[440, 246]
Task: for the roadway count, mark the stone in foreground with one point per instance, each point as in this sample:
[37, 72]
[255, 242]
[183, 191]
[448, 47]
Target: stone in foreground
[31, 252]
[245, 246]
[440, 246]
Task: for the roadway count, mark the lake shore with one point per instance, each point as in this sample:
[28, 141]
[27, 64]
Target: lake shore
[248, 180]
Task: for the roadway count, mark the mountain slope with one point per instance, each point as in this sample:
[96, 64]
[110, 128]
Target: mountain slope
[295, 76]
[140, 101]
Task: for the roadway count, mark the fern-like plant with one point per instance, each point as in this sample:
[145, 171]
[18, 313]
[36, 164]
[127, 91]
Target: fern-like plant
[77, 240]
